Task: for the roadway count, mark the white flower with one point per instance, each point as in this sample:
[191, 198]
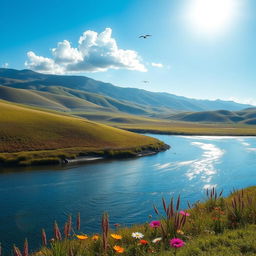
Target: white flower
[156, 240]
[137, 235]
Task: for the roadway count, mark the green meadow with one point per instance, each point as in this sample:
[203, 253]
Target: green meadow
[33, 136]
[144, 124]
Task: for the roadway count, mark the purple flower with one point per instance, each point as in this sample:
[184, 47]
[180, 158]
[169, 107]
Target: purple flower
[155, 224]
[176, 243]
[184, 213]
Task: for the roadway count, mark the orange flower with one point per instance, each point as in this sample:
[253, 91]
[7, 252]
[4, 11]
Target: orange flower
[82, 237]
[116, 236]
[143, 242]
[118, 249]
[179, 231]
[95, 237]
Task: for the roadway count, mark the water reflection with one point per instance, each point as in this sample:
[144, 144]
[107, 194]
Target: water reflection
[206, 166]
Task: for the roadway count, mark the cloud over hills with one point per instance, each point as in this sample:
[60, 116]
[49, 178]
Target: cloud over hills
[94, 52]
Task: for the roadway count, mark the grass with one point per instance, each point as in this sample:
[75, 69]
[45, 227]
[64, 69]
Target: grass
[186, 128]
[144, 124]
[217, 226]
[28, 136]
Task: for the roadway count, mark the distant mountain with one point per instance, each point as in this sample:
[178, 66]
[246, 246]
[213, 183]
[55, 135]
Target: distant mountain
[246, 116]
[106, 95]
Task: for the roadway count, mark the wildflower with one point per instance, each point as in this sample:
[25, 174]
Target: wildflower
[118, 249]
[44, 239]
[137, 235]
[215, 218]
[117, 225]
[78, 221]
[82, 237]
[95, 237]
[116, 236]
[156, 240]
[155, 224]
[176, 243]
[179, 231]
[25, 250]
[144, 242]
[184, 213]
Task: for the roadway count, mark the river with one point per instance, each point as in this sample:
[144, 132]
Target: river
[32, 198]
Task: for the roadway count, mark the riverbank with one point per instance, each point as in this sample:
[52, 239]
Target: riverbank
[77, 155]
[214, 227]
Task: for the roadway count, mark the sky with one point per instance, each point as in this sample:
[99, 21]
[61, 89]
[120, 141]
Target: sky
[199, 48]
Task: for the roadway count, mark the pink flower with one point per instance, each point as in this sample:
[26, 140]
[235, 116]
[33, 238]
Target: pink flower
[155, 224]
[176, 243]
[184, 213]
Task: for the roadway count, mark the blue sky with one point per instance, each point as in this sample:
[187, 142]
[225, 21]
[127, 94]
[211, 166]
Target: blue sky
[196, 50]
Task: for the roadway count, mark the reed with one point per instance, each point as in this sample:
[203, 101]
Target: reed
[175, 231]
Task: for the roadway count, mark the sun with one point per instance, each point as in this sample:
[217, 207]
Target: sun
[211, 17]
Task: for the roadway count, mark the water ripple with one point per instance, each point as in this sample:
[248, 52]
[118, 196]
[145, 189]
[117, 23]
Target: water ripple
[206, 165]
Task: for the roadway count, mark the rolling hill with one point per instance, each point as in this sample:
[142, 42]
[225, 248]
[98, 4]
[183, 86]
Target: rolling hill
[129, 100]
[246, 116]
[25, 129]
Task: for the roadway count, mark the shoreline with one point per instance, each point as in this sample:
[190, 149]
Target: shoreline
[76, 156]
[71, 156]
[85, 159]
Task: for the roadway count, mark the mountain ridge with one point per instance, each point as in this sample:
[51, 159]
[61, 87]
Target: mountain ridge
[28, 79]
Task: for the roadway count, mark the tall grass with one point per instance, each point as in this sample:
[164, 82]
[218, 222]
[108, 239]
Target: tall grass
[204, 226]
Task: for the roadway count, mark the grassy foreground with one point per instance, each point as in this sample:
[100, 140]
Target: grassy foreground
[32, 136]
[218, 226]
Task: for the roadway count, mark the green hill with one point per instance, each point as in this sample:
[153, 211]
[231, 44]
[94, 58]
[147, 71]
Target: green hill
[66, 99]
[28, 79]
[246, 116]
[24, 129]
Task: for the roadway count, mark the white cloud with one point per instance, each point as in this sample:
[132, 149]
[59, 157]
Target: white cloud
[5, 65]
[157, 65]
[40, 63]
[95, 52]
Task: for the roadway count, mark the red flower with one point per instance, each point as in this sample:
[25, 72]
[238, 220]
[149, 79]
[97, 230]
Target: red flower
[143, 242]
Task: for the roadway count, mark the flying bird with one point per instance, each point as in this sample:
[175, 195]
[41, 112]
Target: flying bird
[145, 36]
[145, 82]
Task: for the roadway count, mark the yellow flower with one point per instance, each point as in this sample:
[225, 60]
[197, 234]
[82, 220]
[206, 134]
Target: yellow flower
[95, 237]
[180, 232]
[82, 237]
[118, 249]
[116, 236]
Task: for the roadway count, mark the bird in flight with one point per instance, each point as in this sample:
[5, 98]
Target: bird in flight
[144, 36]
[145, 82]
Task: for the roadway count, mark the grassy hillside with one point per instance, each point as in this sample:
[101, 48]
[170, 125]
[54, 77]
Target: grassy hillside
[246, 116]
[163, 126]
[66, 99]
[26, 129]
[28, 79]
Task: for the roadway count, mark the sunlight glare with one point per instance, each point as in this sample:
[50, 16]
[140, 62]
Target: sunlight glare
[211, 17]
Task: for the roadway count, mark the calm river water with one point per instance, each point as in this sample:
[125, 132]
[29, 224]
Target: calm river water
[31, 199]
